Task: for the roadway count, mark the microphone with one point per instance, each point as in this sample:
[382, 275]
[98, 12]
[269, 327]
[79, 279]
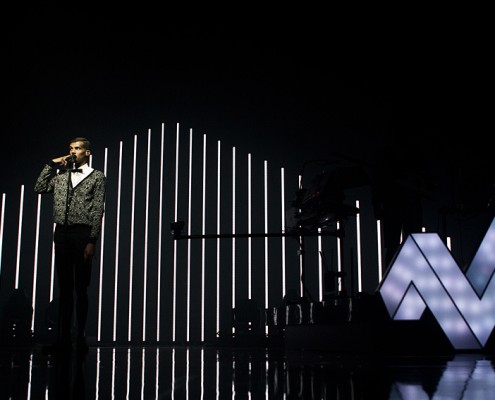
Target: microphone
[71, 158]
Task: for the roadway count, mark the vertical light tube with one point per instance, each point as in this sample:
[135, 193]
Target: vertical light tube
[2, 224]
[233, 229]
[116, 258]
[265, 192]
[128, 375]
[187, 373]
[35, 267]
[157, 373]
[52, 267]
[233, 379]
[358, 236]
[379, 248]
[267, 377]
[52, 264]
[143, 369]
[339, 259]
[218, 239]
[301, 252]
[202, 392]
[160, 218]
[146, 227]
[217, 374]
[113, 374]
[449, 243]
[131, 256]
[249, 227]
[172, 383]
[282, 201]
[320, 267]
[19, 238]
[97, 379]
[176, 202]
[203, 232]
[102, 248]
[30, 376]
[189, 223]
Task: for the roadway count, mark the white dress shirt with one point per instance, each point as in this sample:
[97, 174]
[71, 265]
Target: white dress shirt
[77, 177]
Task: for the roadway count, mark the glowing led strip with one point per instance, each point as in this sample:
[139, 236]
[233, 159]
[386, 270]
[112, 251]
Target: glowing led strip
[202, 392]
[320, 267]
[117, 244]
[424, 274]
[157, 373]
[189, 211]
[143, 369]
[265, 180]
[249, 224]
[339, 259]
[131, 255]
[379, 248]
[102, 248]
[301, 253]
[203, 231]
[52, 267]
[218, 240]
[35, 267]
[187, 383]
[358, 245]
[282, 201]
[146, 228]
[2, 220]
[174, 289]
[97, 380]
[19, 236]
[159, 261]
[233, 229]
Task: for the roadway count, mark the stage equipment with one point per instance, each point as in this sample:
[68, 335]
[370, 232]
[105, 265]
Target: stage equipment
[246, 317]
[322, 203]
[315, 210]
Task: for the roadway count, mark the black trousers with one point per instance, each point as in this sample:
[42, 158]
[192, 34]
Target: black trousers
[74, 274]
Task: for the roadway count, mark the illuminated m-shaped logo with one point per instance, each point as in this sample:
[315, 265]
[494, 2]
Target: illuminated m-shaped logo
[424, 274]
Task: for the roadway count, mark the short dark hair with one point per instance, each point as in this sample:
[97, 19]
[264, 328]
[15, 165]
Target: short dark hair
[86, 143]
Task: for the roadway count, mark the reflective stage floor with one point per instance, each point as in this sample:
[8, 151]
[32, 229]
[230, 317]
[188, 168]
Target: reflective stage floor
[232, 372]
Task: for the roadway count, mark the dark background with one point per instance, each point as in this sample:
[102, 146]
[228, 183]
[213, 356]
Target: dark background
[287, 84]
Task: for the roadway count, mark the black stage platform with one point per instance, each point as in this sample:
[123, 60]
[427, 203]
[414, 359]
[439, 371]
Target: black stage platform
[339, 349]
[251, 372]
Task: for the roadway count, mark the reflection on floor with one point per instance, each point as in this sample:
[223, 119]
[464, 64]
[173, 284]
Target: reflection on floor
[207, 372]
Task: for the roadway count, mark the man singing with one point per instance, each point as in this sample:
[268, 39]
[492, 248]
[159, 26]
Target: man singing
[78, 206]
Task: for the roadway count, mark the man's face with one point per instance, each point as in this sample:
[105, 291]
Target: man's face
[77, 149]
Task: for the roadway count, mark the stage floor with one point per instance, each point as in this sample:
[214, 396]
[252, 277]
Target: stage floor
[249, 372]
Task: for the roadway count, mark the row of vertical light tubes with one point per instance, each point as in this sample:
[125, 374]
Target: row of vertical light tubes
[203, 228]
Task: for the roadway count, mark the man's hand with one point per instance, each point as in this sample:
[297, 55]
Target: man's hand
[62, 160]
[89, 251]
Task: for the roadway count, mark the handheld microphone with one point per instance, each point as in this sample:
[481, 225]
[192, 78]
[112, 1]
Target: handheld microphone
[71, 158]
